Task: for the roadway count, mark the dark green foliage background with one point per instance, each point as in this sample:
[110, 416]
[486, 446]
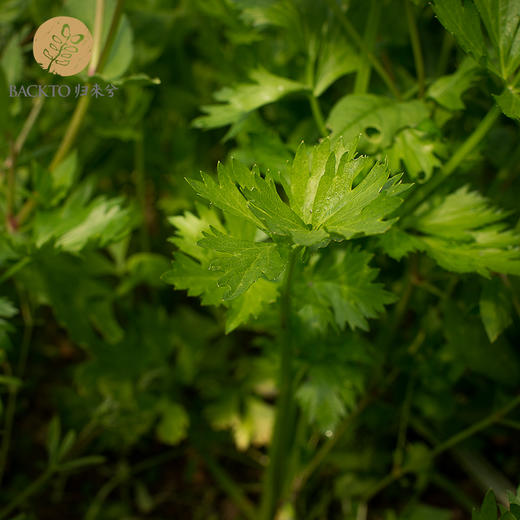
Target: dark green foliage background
[125, 399]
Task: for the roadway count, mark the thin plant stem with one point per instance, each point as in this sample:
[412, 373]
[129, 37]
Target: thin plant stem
[510, 424]
[122, 476]
[10, 162]
[24, 132]
[460, 497]
[112, 33]
[30, 490]
[230, 487]
[350, 29]
[363, 74]
[98, 34]
[71, 132]
[276, 471]
[444, 55]
[456, 159]
[326, 448]
[446, 445]
[403, 425]
[15, 268]
[347, 422]
[318, 115]
[416, 46]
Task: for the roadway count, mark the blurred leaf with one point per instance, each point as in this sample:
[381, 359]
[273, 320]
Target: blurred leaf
[416, 152]
[448, 90]
[12, 60]
[251, 303]
[375, 118]
[488, 511]
[173, 424]
[344, 281]
[335, 59]
[83, 462]
[465, 233]
[236, 102]
[495, 307]
[78, 222]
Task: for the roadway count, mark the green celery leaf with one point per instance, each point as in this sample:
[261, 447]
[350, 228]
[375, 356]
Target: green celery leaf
[417, 152]
[509, 102]
[502, 21]
[461, 18]
[376, 118]
[240, 263]
[397, 243]
[448, 90]
[488, 511]
[344, 282]
[464, 233]
[320, 401]
[226, 194]
[237, 102]
[321, 191]
[196, 275]
[246, 194]
[79, 222]
[196, 278]
[251, 303]
[80, 299]
[335, 59]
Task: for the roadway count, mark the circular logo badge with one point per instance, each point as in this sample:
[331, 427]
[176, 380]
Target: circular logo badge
[62, 45]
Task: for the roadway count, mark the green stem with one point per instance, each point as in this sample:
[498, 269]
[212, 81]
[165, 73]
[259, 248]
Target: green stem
[112, 32]
[326, 448]
[416, 46]
[444, 55]
[456, 159]
[24, 132]
[230, 487]
[446, 445]
[363, 47]
[510, 424]
[403, 426]
[363, 74]
[475, 428]
[71, 132]
[98, 32]
[30, 490]
[459, 496]
[318, 115]
[279, 451]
